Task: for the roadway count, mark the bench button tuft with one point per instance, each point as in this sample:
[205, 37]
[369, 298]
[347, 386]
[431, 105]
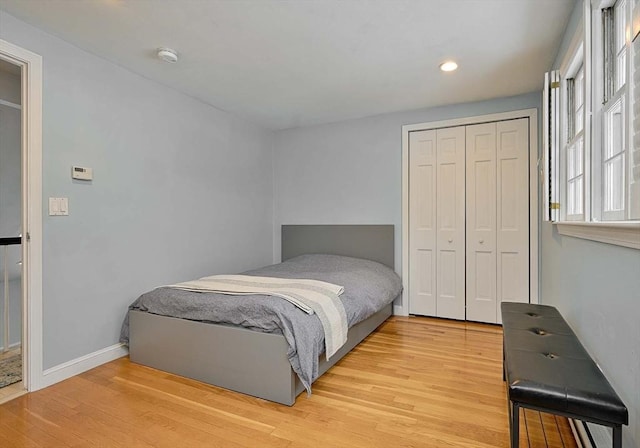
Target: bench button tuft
[539, 331]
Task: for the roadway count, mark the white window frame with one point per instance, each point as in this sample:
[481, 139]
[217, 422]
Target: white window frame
[615, 230]
[576, 59]
[620, 96]
[572, 172]
[634, 83]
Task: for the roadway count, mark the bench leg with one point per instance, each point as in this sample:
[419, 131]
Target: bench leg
[617, 436]
[515, 425]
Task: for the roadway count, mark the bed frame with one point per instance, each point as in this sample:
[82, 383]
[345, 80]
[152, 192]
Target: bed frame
[247, 361]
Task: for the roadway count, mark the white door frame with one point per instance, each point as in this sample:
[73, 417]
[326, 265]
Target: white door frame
[532, 115]
[31, 65]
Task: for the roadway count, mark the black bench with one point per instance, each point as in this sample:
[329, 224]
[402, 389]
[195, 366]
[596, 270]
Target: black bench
[547, 369]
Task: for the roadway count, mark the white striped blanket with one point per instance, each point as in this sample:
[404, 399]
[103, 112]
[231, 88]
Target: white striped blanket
[311, 296]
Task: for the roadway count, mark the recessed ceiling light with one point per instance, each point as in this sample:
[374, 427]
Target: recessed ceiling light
[168, 55]
[448, 66]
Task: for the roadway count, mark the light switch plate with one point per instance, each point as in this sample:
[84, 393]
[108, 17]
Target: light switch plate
[53, 207]
[58, 206]
[64, 206]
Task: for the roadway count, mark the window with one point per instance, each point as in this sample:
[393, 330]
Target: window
[634, 156]
[592, 135]
[574, 148]
[612, 127]
[613, 162]
[619, 42]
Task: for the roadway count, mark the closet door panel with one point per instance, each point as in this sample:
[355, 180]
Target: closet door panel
[512, 242]
[469, 219]
[450, 235]
[422, 222]
[481, 222]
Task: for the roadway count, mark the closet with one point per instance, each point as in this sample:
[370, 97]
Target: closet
[469, 219]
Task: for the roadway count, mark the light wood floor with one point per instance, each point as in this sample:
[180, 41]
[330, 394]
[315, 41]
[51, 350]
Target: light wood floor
[13, 390]
[416, 382]
[9, 353]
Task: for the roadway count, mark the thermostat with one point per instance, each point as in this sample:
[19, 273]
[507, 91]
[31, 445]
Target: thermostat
[81, 173]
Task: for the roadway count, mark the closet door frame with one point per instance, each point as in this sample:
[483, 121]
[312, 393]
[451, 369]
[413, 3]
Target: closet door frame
[402, 309]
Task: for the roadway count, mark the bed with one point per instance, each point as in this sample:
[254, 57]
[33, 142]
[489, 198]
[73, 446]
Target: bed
[257, 362]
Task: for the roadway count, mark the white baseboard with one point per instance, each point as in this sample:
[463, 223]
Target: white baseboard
[589, 435]
[82, 364]
[579, 434]
[398, 310]
[12, 346]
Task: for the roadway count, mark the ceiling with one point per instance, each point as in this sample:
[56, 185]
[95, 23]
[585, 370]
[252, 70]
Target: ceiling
[290, 63]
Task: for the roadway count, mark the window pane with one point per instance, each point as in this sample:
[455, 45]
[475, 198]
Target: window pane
[614, 131]
[571, 162]
[574, 196]
[575, 100]
[579, 120]
[614, 184]
[571, 101]
[579, 157]
[575, 156]
[620, 44]
[608, 54]
[579, 88]
[621, 23]
[571, 198]
[575, 182]
[578, 192]
[621, 69]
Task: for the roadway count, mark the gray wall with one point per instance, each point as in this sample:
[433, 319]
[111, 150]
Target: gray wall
[597, 288]
[180, 190]
[351, 172]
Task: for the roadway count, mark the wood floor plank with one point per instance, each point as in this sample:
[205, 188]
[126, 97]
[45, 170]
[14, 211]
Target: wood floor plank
[566, 434]
[416, 382]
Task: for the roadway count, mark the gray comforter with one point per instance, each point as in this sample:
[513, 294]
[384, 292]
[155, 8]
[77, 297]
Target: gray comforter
[368, 287]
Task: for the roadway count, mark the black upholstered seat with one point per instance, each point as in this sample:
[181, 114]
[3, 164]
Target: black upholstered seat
[547, 368]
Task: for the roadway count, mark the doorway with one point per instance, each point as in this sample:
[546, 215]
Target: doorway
[10, 229]
[23, 258]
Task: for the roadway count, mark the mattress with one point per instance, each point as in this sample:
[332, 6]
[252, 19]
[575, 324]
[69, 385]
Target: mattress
[368, 287]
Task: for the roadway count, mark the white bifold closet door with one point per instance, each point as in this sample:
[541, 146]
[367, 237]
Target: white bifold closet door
[436, 222]
[497, 232]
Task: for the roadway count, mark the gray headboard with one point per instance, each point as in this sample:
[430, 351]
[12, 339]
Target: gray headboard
[371, 242]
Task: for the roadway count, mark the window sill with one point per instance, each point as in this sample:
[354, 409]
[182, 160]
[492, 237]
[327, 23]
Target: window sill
[619, 233]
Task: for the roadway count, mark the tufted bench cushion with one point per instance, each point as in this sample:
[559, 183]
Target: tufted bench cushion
[548, 369]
